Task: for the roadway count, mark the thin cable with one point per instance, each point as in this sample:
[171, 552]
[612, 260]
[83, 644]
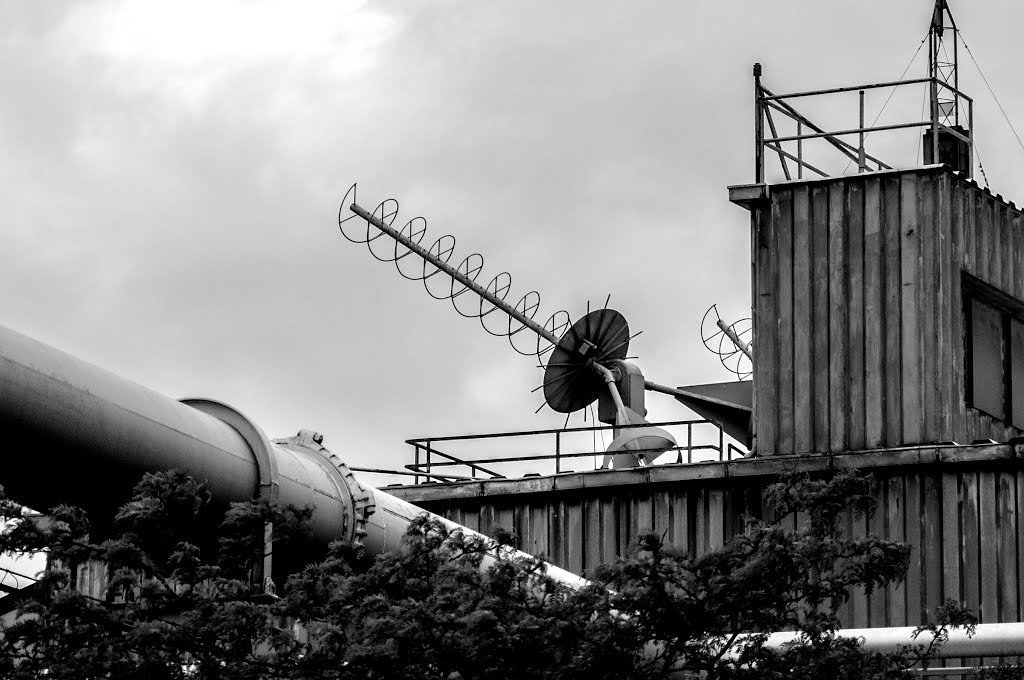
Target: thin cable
[891, 93]
[893, 90]
[981, 167]
[991, 92]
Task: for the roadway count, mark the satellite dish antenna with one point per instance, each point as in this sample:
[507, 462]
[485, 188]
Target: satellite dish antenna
[588, 357]
[588, 362]
[570, 384]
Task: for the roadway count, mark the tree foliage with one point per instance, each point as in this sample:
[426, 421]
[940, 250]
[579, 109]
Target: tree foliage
[182, 603]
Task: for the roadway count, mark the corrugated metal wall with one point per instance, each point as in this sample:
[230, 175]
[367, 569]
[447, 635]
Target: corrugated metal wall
[858, 309]
[964, 520]
[579, 531]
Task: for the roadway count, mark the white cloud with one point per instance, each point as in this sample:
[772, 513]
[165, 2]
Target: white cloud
[186, 47]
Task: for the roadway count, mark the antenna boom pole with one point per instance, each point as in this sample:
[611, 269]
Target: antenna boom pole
[455, 274]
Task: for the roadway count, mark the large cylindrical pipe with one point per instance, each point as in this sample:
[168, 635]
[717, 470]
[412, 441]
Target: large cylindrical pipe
[76, 434]
[73, 432]
[392, 516]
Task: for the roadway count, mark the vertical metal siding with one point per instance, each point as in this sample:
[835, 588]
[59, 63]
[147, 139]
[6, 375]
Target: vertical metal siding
[965, 526]
[858, 309]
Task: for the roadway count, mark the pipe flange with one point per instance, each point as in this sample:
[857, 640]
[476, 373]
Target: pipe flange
[266, 462]
[363, 504]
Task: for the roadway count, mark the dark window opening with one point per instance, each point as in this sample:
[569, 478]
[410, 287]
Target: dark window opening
[994, 335]
[1017, 372]
[987, 376]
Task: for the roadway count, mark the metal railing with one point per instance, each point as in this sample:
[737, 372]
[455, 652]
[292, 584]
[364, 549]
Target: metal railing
[766, 102]
[436, 458]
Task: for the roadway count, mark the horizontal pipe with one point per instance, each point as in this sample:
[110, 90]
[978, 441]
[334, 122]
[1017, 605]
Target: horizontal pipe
[392, 517]
[72, 430]
[850, 131]
[76, 434]
[988, 640]
[79, 435]
[847, 88]
[421, 442]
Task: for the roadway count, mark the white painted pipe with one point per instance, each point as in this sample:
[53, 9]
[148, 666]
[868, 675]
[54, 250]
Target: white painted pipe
[989, 639]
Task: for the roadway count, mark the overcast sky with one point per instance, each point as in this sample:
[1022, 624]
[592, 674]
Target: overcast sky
[171, 175]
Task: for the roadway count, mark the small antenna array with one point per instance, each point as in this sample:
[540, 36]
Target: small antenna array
[729, 342]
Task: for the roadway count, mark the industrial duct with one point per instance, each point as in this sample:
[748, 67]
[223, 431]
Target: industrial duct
[79, 435]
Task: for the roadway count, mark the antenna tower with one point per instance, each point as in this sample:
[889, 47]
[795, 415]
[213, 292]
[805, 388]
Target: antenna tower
[942, 65]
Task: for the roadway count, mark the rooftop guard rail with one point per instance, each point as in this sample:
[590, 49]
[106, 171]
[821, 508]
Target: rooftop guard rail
[437, 459]
[944, 118]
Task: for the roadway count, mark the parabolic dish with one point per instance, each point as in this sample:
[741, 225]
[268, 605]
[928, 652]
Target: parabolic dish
[569, 384]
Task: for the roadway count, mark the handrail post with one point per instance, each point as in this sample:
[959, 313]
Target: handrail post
[558, 452]
[721, 441]
[758, 127]
[970, 131]
[428, 455]
[799, 149]
[689, 442]
[861, 162]
[933, 85]
[416, 478]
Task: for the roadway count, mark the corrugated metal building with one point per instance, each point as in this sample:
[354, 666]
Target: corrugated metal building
[889, 324]
[862, 287]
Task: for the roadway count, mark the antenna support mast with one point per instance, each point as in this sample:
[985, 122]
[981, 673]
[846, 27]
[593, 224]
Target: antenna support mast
[943, 66]
[947, 140]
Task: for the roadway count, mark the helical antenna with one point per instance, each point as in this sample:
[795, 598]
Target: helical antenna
[456, 280]
[731, 343]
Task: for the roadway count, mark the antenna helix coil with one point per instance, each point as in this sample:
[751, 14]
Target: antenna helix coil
[443, 281]
[731, 343]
